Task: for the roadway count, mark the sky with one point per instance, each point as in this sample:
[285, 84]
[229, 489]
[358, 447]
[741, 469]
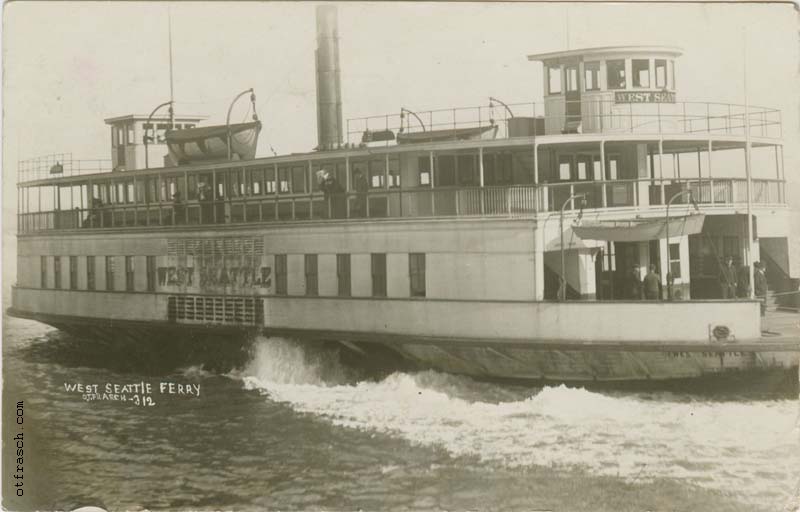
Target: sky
[68, 65]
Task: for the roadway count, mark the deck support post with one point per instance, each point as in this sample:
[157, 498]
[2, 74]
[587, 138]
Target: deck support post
[482, 181]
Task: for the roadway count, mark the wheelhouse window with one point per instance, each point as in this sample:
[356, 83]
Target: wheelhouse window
[671, 82]
[343, 274]
[641, 72]
[90, 273]
[615, 69]
[591, 76]
[110, 273]
[281, 287]
[571, 73]
[312, 281]
[661, 73]
[416, 273]
[379, 275]
[554, 80]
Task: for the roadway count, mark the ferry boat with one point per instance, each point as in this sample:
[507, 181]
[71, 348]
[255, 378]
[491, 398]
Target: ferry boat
[498, 241]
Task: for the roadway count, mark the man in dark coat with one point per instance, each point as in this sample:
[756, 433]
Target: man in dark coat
[760, 285]
[652, 284]
[727, 279]
[634, 284]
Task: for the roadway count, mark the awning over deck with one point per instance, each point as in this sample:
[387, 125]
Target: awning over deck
[640, 230]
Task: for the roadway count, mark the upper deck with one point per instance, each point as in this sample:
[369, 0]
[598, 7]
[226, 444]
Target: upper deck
[610, 128]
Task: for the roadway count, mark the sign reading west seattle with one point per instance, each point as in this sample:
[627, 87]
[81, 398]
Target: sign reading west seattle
[644, 97]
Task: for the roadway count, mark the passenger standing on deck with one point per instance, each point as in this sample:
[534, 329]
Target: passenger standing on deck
[178, 210]
[635, 283]
[652, 284]
[361, 187]
[727, 279]
[743, 282]
[760, 282]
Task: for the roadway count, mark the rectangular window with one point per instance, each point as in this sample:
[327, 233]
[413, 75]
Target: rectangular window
[281, 287]
[611, 167]
[90, 269]
[343, 274]
[151, 273]
[73, 272]
[110, 273]
[445, 171]
[572, 78]
[591, 76]
[661, 73]
[298, 180]
[616, 73]
[57, 271]
[44, 271]
[312, 281]
[394, 173]
[416, 273]
[424, 164]
[129, 273]
[675, 260]
[564, 167]
[379, 275]
[377, 170]
[554, 80]
[641, 72]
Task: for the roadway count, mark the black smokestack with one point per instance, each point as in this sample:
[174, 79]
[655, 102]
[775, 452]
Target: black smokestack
[329, 89]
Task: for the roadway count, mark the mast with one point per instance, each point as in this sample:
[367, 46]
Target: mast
[747, 149]
[171, 87]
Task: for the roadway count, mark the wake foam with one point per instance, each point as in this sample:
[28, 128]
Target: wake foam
[735, 447]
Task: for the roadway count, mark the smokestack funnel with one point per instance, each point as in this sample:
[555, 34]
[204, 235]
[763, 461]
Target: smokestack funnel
[329, 89]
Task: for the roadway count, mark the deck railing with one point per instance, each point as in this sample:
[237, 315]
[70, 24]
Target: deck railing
[594, 115]
[58, 165]
[490, 201]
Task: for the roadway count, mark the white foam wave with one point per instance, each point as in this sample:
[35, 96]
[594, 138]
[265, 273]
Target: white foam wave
[739, 447]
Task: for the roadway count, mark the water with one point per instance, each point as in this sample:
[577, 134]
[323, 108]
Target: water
[297, 430]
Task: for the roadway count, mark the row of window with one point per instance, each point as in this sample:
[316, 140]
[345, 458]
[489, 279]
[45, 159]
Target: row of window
[615, 76]
[122, 135]
[416, 272]
[91, 273]
[450, 170]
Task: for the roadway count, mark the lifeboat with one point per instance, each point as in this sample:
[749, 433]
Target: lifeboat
[210, 143]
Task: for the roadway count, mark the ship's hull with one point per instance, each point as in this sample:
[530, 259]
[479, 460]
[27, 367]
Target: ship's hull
[641, 365]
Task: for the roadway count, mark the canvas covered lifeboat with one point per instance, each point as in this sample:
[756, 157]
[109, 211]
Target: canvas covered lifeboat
[471, 133]
[211, 142]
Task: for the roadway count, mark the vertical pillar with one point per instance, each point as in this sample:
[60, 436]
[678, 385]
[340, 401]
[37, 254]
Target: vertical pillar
[661, 169]
[482, 191]
[348, 186]
[433, 183]
[603, 171]
[538, 263]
